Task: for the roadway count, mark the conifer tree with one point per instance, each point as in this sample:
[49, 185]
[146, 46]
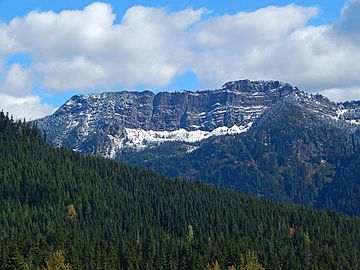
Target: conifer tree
[190, 233]
[15, 261]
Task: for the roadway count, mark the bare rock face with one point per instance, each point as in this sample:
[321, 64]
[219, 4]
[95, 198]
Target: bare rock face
[108, 122]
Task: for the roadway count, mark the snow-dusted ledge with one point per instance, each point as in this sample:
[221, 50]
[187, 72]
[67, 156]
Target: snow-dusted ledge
[140, 138]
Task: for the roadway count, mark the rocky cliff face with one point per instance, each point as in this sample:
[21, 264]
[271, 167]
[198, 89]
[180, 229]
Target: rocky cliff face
[108, 122]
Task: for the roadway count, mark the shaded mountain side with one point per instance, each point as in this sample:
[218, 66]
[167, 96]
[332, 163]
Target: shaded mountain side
[106, 215]
[343, 193]
[290, 154]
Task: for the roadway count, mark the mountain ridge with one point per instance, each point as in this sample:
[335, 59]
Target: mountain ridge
[268, 139]
[107, 123]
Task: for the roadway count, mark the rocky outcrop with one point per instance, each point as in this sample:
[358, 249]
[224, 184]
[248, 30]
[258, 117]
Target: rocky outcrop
[107, 122]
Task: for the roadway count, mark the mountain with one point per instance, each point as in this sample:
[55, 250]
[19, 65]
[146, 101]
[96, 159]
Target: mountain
[100, 214]
[290, 154]
[106, 124]
[264, 138]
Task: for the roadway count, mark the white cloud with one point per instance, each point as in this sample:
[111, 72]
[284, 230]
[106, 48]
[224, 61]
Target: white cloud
[349, 24]
[262, 27]
[342, 94]
[84, 49]
[277, 43]
[28, 107]
[18, 81]
[246, 45]
[16, 95]
[7, 44]
[77, 73]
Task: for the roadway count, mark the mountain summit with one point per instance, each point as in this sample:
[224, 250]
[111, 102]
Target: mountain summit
[107, 123]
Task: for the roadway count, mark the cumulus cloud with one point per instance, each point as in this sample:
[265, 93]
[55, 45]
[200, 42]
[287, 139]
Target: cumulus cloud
[28, 107]
[85, 49]
[7, 44]
[16, 95]
[264, 26]
[77, 73]
[349, 23]
[18, 81]
[342, 94]
[248, 45]
[88, 50]
[279, 44]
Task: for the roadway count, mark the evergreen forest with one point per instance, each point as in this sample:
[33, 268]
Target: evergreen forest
[61, 210]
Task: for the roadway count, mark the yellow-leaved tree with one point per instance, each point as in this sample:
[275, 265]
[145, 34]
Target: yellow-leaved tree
[56, 262]
[71, 211]
[213, 266]
[249, 261]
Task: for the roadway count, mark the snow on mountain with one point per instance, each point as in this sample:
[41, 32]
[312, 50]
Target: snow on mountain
[107, 123]
[139, 138]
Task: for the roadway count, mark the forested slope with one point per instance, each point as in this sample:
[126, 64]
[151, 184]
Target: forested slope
[290, 154]
[105, 215]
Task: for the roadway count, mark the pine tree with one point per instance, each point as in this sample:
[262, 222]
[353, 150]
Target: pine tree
[308, 253]
[15, 261]
[190, 233]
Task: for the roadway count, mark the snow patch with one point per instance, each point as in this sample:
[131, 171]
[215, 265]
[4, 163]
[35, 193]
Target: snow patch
[341, 112]
[191, 149]
[140, 138]
[355, 122]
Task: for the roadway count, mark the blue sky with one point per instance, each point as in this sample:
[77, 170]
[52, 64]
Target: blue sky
[330, 10]
[189, 45]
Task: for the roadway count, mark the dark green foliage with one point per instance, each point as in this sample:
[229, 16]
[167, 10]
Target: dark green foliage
[290, 155]
[14, 261]
[344, 192]
[128, 218]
